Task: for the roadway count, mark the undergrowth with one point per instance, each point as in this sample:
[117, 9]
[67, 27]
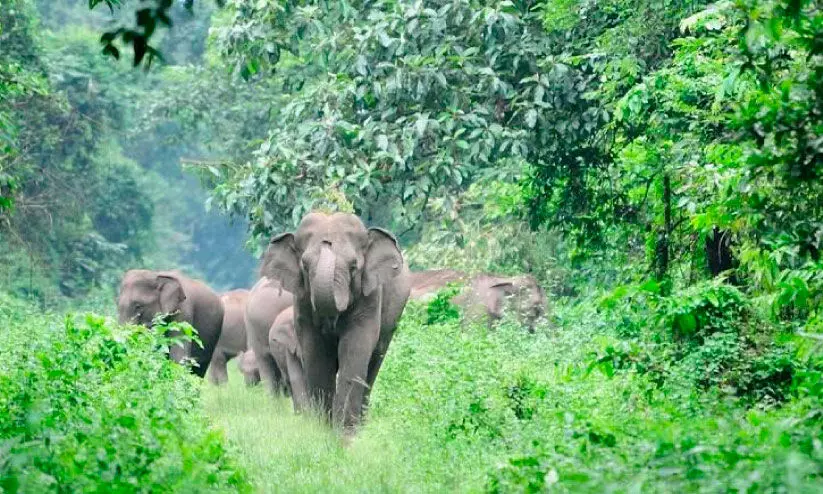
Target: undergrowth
[89, 406]
[578, 407]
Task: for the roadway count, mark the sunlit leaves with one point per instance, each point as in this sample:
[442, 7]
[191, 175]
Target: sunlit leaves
[394, 95]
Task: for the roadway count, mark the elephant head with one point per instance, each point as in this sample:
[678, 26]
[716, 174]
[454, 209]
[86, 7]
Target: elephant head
[144, 294]
[333, 260]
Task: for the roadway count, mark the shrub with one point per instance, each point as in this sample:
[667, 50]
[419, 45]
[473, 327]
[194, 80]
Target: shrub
[88, 406]
[441, 308]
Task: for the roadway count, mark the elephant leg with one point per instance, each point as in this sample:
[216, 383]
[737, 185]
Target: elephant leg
[270, 374]
[320, 369]
[299, 393]
[375, 363]
[202, 356]
[355, 353]
[217, 370]
[279, 353]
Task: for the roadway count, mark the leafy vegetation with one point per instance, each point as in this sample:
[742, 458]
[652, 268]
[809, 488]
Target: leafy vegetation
[87, 406]
[86, 190]
[462, 408]
[655, 165]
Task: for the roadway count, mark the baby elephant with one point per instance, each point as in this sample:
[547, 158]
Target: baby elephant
[287, 354]
[145, 294]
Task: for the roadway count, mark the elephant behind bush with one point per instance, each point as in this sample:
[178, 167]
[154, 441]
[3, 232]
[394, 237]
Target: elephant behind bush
[486, 295]
[145, 294]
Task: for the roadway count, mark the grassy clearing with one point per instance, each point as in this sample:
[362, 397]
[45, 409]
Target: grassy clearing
[283, 452]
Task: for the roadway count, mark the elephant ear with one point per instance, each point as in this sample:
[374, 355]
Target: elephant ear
[383, 260]
[171, 293]
[281, 262]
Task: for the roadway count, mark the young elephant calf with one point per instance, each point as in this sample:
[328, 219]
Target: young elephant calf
[286, 351]
[266, 301]
[145, 294]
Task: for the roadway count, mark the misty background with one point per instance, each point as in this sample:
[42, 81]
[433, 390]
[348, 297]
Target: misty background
[100, 182]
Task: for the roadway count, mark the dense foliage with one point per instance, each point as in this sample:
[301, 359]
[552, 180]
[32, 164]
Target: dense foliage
[656, 165]
[572, 408]
[578, 409]
[86, 191]
[86, 406]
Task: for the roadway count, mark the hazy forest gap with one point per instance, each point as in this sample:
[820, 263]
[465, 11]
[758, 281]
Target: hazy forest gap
[654, 166]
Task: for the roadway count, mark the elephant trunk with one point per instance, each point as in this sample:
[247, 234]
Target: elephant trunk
[330, 294]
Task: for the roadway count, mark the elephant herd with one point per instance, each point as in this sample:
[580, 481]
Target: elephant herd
[319, 321]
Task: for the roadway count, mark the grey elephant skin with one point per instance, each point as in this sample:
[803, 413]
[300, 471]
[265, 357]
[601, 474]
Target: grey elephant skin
[350, 287]
[288, 355]
[486, 295]
[232, 342]
[266, 301]
[144, 294]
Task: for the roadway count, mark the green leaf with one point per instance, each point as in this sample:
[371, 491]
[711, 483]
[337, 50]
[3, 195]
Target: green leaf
[531, 118]
[686, 323]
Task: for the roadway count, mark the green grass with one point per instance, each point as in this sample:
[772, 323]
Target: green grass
[287, 453]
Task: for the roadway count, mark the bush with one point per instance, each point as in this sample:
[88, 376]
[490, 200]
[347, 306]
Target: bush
[88, 406]
[578, 409]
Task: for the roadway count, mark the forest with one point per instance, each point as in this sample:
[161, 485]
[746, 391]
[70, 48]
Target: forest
[642, 179]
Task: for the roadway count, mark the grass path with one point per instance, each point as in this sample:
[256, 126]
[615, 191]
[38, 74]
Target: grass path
[283, 452]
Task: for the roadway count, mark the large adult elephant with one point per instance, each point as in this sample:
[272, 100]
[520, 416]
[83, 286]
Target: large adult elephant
[266, 301]
[144, 294]
[350, 286]
[232, 342]
[289, 357]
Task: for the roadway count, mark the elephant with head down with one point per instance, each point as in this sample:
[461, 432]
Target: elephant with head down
[145, 294]
[486, 295]
[350, 286]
